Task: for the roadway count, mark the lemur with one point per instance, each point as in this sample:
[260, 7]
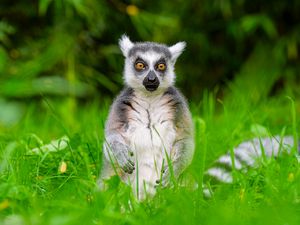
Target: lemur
[149, 132]
[149, 128]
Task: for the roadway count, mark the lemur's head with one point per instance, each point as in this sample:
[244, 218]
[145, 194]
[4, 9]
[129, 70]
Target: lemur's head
[149, 66]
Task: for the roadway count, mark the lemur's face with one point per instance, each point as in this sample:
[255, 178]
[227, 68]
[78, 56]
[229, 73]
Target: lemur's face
[149, 66]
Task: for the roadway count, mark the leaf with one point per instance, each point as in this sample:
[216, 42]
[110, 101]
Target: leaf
[250, 23]
[54, 146]
[43, 6]
[80, 7]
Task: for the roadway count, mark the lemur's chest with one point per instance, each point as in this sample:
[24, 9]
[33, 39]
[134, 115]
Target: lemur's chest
[150, 125]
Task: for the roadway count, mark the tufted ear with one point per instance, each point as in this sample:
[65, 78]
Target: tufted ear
[176, 50]
[125, 44]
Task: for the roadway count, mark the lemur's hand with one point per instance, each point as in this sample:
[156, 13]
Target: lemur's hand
[165, 177]
[124, 156]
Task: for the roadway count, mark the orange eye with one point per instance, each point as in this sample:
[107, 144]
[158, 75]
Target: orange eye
[161, 66]
[139, 66]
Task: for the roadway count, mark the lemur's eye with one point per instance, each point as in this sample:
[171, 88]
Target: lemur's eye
[161, 67]
[139, 66]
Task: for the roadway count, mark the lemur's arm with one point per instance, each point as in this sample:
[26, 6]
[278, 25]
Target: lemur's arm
[116, 147]
[181, 154]
[183, 147]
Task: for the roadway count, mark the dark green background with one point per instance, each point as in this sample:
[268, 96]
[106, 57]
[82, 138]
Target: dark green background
[69, 48]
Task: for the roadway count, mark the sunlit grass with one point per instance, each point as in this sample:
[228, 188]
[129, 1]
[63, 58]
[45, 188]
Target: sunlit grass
[59, 187]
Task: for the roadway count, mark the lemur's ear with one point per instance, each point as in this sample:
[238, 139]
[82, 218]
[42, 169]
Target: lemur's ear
[125, 44]
[176, 50]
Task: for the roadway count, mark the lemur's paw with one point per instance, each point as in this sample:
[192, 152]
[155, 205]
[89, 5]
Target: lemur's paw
[165, 181]
[124, 157]
[165, 178]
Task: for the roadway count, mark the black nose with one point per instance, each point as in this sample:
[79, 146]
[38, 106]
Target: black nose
[151, 81]
[152, 78]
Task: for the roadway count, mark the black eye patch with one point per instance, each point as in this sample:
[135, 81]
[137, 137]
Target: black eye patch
[139, 59]
[162, 60]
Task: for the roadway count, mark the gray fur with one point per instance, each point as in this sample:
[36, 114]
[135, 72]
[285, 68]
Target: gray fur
[178, 102]
[116, 146]
[248, 154]
[118, 122]
[149, 46]
[122, 104]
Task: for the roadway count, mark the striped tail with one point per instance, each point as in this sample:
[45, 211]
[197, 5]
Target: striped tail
[246, 155]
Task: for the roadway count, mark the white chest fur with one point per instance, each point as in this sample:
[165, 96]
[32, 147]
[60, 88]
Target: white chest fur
[151, 134]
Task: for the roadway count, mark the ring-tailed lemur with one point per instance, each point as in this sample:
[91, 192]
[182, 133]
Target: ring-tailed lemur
[149, 127]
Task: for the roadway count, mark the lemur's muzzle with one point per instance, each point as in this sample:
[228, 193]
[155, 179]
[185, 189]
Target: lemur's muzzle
[151, 81]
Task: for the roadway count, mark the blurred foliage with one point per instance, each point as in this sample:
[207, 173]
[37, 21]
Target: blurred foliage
[69, 47]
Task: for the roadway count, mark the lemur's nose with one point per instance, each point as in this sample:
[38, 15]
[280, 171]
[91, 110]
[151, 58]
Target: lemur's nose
[152, 77]
[151, 81]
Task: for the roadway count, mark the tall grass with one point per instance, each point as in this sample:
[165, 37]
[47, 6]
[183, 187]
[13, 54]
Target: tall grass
[36, 189]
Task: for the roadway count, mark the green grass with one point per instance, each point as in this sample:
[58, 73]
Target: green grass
[33, 190]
